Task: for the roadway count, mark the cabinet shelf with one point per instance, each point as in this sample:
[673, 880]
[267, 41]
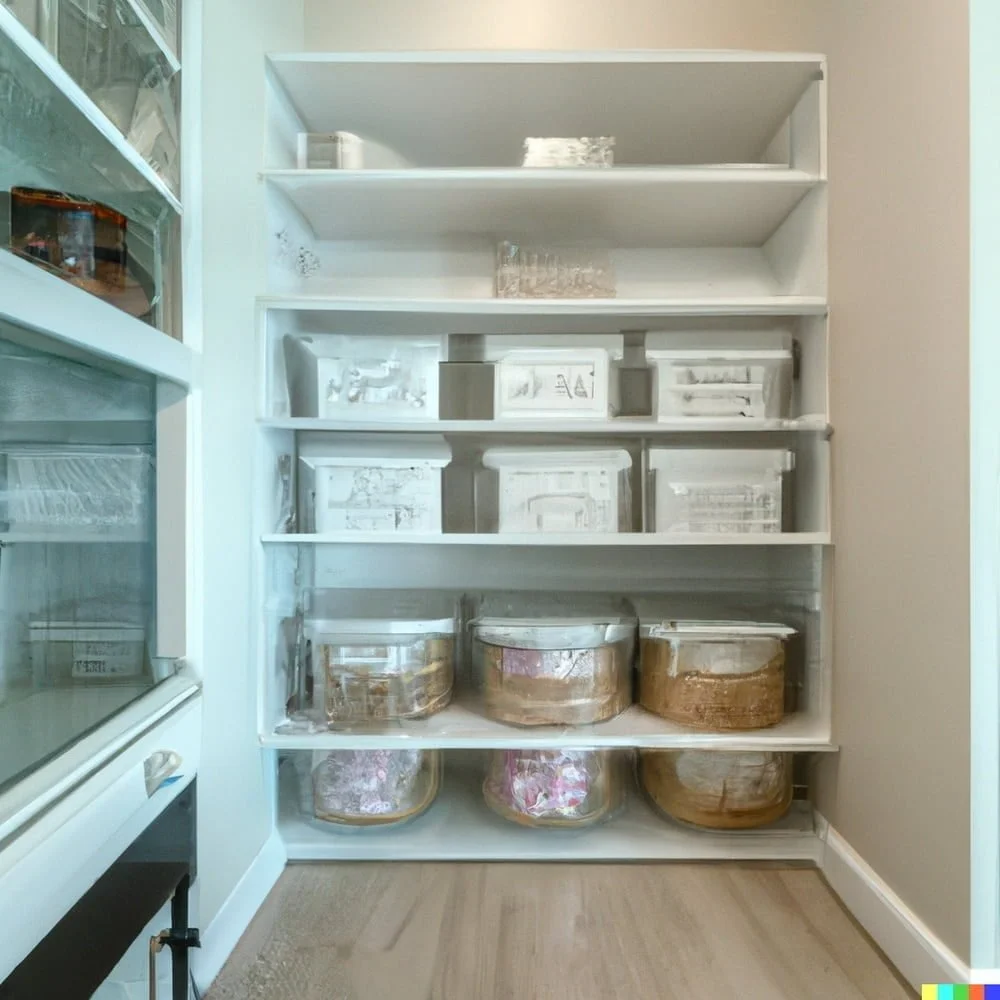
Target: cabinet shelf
[580, 540]
[33, 298]
[460, 827]
[620, 426]
[631, 206]
[463, 726]
[122, 160]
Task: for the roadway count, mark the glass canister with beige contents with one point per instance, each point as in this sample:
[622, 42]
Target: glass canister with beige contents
[539, 670]
[713, 674]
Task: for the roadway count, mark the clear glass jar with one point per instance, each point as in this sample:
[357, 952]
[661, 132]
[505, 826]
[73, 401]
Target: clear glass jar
[555, 787]
[713, 675]
[554, 671]
[718, 789]
[373, 787]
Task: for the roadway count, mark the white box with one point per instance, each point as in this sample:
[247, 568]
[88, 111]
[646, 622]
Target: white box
[722, 383]
[545, 490]
[715, 490]
[542, 384]
[374, 483]
[87, 651]
[330, 151]
[341, 377]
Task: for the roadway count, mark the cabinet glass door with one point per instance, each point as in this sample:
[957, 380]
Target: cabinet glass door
[78, 449]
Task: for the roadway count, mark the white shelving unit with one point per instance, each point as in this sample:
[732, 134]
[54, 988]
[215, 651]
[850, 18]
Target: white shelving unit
[716, 220]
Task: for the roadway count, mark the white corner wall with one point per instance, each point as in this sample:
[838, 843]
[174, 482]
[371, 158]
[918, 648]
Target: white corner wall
[234, 804]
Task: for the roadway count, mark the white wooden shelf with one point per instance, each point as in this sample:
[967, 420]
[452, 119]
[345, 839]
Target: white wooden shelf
[102, 126]
[663, 207]
[621, 425]
[33, 298]
[460, 827]
[462, 725]
[466, 310]
[67, 538]
[475, 108]
[581, 540]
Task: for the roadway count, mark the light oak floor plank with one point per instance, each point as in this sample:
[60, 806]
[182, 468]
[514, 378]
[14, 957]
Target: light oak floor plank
[566, 931]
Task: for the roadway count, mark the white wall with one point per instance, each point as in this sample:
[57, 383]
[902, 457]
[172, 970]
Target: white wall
[233, 801]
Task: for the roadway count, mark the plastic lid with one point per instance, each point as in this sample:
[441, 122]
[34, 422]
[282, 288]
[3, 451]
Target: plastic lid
[719, 354]
[553, 633]
[69, 631]
[347, 627]
[505, 458]
[667, 629]
[735, 461]
[416, 448]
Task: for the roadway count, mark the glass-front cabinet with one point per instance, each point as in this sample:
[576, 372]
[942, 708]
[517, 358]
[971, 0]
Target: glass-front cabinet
[94, 383]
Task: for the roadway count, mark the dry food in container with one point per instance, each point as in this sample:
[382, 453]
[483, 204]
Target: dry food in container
[567, 151]
[373, 483]
[713, 674]
[340, 377]
[373, 787]
[82, 651]
[539, 671]
[555, 787]
[545, 383]
[80, 491]
[722, 383]
[372, 669]
[544, 490]
[718, 491]
[554, 272]
[718, 789]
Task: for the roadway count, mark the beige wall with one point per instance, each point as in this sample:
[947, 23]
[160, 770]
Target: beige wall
[899, 292]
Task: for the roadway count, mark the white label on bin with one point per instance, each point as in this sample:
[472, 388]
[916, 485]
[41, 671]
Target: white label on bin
[106, 659]
[550, 386]
[715, 390]
[558, 500]
[381, 499]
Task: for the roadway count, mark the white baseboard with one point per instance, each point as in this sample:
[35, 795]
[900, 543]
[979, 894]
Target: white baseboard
[221, 936]
[918, 954]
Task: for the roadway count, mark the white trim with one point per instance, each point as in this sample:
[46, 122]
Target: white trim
[233, 918]
[550, 56]
[918, 954]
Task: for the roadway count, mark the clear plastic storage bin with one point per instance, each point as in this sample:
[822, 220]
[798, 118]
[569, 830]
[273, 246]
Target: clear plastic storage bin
[101, 492]
[567, 151]
[340, 377]
[375, 669]
[713, 383]
[718, 491]
[713, 674]
[546, 383]
[82, 652]
[373, 483]
[718, 789]
[546, 490]
[373, 787]
[555, 787]
[539, 671]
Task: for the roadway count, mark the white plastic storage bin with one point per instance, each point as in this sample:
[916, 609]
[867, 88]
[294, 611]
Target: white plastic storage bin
[543, 384]
[77, 652]
[340, 377]
[77, 491]
[553, 490]
[373, 483]
[717, 383]
[714, 490]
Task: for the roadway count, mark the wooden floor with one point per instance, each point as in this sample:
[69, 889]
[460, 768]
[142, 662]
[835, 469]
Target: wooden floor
[561, 931]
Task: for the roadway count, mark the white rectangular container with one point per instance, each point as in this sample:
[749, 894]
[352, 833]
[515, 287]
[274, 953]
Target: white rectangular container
[543, 383]
[373, 483]
[330, 151]
[341, 377]
[554, 490]
[86, 651]
[77, 491]
[716, 490]
[722, 383]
